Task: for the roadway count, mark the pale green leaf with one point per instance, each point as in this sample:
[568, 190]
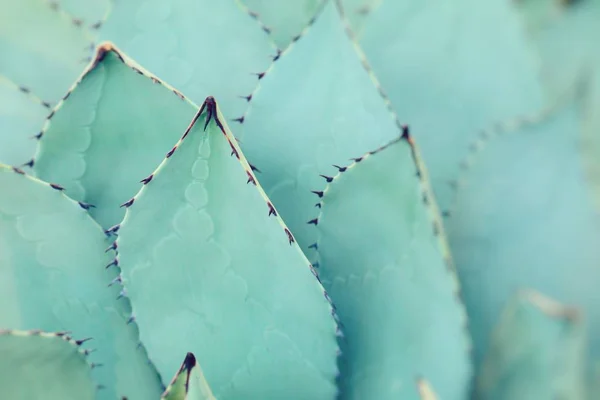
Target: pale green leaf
[450, 70]
[40, 365]
[315, 107]
[383, 260]
[42, 49]
[114, 127]
[53, 277]
[211, 269]
[201, 47]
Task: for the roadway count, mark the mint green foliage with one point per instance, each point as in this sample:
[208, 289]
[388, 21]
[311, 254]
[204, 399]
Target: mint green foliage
[53, 278]
[115, 127]
[43, 51]
[201, 47]
[284, 19]
[529, 222]
[21, 116]
[503, 98]
[537, 352]
[241, 295]
[392, 281]
[315, 107]
[450, 70]
[189, 383]
[39, 365]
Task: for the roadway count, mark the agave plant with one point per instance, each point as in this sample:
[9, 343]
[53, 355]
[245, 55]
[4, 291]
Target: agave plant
[300, 254]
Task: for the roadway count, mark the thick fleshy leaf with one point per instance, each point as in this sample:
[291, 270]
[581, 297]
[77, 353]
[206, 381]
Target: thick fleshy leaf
[334, 113]
[202, 47]
[21, 117]
[115, 126]
[537, 352]
[284, 19]
[525, 217]
[189, 383]
[241, 295]
[39, 365]
[384, 261]
[42, 49]
[451, 69]
[53, 277]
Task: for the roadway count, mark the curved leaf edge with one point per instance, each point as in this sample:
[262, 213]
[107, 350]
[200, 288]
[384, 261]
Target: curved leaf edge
[77, 344]
[429, 203]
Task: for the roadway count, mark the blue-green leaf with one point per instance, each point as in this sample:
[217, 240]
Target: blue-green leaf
[451, 69]
[525, 217]
[384, 261]
[202, 47]
[42, 49]
[53, 278]
[40, 365]
[537, 352]
[115, 126]
[210, 268]
[315, 107]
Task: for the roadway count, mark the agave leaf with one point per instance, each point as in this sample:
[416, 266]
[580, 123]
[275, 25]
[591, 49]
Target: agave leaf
[384, 262]
[564, 33]
[21, 116]
[203, 231]
[202, 47]
[451, 69]
[40, 365]
[334, 113]
[42, 49]
[284, 19]
[189, 383]
[525, 218]
[52, 277]
[537, 352]
[114, 126]
[425, 390]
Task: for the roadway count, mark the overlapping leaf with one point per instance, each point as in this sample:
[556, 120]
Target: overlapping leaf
[384, 261]
[315, 107]
[42, 49]
[115, 126]
[39, 365]
[210, 268]
[450, 70]
[202, 47]
[52, 264]
[525, 218]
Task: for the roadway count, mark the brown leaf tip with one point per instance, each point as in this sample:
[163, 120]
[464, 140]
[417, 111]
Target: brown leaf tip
[189, 362]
